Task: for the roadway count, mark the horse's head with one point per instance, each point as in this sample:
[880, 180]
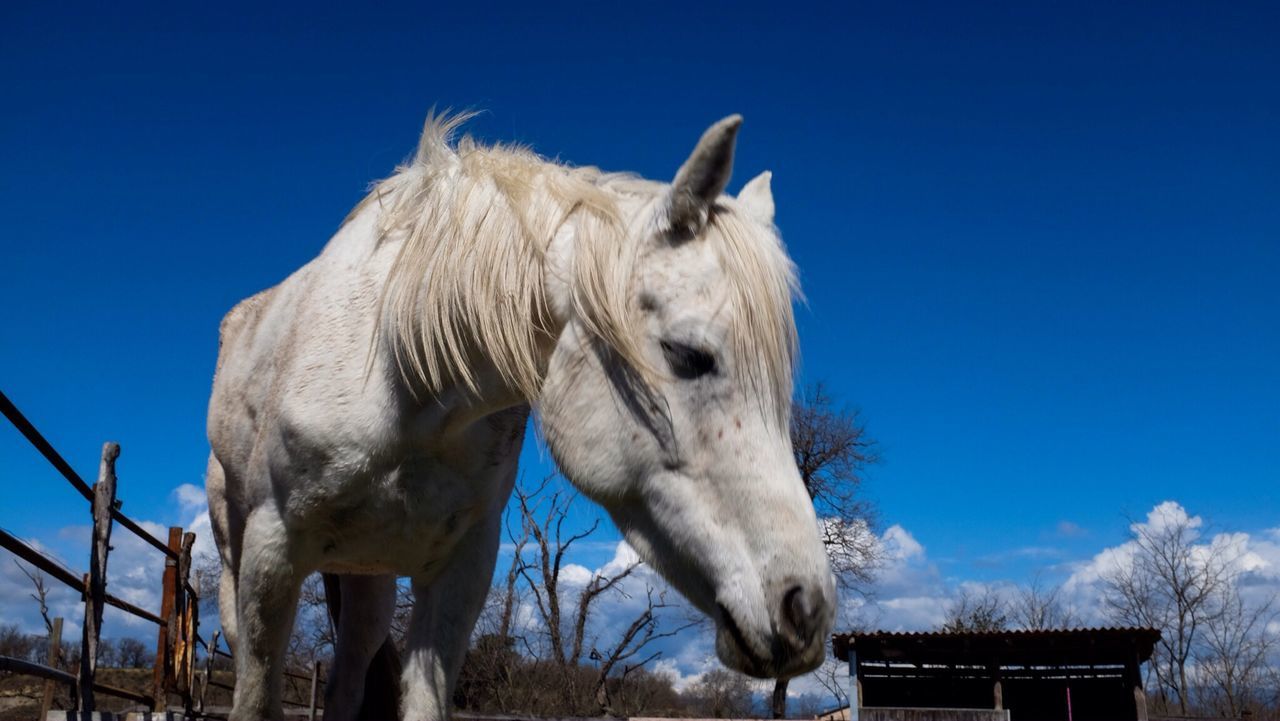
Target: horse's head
[680, 429]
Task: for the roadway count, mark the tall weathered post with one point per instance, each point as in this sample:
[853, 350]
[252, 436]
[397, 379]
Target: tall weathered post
[169, 627]
[51, 660]
[184, 640]
[104, 501]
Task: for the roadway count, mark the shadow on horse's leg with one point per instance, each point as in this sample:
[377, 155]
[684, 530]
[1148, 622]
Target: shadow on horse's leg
[382, 680]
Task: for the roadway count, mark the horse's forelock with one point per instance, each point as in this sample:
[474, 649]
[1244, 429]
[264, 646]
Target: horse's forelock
[763, 283]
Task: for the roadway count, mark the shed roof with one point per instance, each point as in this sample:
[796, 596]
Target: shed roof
[1021, 647]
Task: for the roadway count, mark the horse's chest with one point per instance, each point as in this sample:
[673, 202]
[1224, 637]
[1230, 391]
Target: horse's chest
[404, 519]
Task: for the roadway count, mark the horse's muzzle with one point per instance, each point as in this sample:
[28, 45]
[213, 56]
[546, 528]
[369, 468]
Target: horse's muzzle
[801, 619]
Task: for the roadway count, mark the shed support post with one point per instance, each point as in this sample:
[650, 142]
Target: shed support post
[1134, 672]
[997, 688]
[855, 686]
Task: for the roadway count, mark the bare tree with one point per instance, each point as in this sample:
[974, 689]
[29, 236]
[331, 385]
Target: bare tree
[543, 523]
[41, 594]
[1174, 585]
[832, 450]
[828, 675]
[207, 572]
[15, 643]
[108, 653]
[510, 593]
[976, 612]
[1236, 652]
[644, 629]
[1037, 608]
[313, 634]
[400, 616]
[544, 520]
[488, 676]
[721, 693]
[134, 654]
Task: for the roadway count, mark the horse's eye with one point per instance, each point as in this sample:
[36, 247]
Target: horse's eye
[687, 362]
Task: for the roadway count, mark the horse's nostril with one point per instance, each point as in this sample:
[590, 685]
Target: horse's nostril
[800, 614]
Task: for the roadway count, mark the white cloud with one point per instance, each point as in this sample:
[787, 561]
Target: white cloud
[1166, 515]
[1068, 529]
[18, 605]
[900, 545]
[906, 572]
[623, 557]
[191, 498]
[911, 594]
[575, 576]
[1257, 558]
[670, 668]
[135, 572]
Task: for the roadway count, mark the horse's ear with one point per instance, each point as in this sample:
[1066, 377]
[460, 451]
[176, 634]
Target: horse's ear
[757, 198]
[703, 176]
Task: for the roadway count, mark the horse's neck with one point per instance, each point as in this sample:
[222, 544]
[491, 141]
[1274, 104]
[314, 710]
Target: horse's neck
[361, 245]
[457, 407]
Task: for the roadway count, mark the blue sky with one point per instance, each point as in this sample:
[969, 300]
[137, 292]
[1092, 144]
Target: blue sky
[1039, 242]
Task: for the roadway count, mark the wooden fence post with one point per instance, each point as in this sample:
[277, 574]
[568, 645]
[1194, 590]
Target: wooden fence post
[51, 660]
[315, 684]
[168, 629]
[211, 651]
[184, 642]
[104, 501]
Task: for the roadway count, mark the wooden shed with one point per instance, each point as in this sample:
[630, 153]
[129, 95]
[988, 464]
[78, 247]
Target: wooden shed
[1088, 674]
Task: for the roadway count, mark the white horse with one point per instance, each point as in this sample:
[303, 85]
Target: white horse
[367, 413]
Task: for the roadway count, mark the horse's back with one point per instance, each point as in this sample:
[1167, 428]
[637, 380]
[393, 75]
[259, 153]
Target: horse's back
[233, 387]
[244, 315]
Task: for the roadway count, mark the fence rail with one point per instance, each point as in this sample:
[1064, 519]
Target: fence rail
[56, 460]
[179, 616]
[22, 550]
[178, 621]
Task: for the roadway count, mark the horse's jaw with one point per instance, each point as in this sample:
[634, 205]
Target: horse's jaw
[716, 570]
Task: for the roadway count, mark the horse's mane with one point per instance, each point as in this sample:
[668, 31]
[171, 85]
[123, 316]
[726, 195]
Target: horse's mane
[477, 222]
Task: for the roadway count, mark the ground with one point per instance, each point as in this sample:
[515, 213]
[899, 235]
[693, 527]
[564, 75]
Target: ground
[20, 695]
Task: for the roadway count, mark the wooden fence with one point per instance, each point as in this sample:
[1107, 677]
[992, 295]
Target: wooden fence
[178, 623]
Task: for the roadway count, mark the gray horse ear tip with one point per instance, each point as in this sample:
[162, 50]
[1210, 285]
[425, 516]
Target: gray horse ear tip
[723, 132]
[726, 127]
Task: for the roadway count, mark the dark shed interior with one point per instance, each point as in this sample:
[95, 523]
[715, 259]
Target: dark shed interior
[1090, 674]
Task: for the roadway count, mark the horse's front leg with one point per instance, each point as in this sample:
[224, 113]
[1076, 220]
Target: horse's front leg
[445, 610]
[267, 598]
